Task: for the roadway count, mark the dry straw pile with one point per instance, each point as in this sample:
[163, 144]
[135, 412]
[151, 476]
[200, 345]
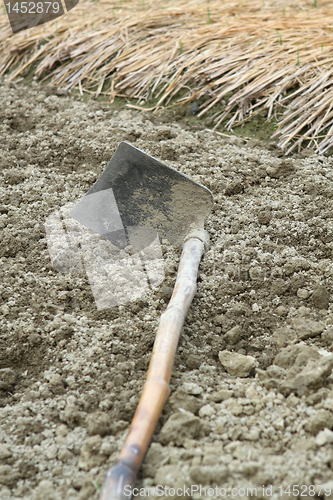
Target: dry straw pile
[245, 55]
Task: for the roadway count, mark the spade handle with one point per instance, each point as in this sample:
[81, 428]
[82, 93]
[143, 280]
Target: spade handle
[120, 478]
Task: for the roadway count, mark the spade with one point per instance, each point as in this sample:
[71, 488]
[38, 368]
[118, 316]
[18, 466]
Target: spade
[137, 201]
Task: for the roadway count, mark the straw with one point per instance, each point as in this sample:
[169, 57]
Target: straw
[237, 57]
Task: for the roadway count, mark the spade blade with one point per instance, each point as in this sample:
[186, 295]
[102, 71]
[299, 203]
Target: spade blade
[138, 198]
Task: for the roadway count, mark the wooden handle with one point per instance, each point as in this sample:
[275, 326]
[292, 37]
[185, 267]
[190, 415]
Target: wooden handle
[120, 478]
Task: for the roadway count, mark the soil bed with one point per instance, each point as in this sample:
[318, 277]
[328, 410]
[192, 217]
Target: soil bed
[71, 376]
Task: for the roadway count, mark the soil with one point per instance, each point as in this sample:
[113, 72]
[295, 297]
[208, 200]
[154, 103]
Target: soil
[252, 387]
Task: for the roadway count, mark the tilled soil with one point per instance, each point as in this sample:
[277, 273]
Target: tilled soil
[252, 385]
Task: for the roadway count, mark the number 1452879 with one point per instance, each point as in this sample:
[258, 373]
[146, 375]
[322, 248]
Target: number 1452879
[33, 8]
[297, 490]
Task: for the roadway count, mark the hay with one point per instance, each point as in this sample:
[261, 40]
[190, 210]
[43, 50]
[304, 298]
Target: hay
[245, 55]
